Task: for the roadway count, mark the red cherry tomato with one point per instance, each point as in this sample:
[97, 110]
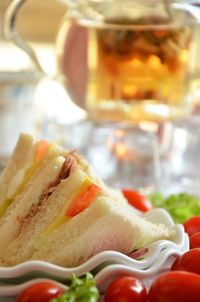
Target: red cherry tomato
[190, 262]
[192, 225]
[177, 286]
[137, 200]
[126, 289]
[40, 292]
[195, 241]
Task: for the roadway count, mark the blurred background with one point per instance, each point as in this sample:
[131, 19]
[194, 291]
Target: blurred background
[39, 20]
[38, 23]
[43, 107]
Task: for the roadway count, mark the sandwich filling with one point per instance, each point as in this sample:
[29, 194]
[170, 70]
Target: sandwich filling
[78, 201]
[69, 166]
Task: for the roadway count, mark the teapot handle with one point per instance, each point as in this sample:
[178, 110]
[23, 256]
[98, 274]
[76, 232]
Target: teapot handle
[190, 8]
[12, 34]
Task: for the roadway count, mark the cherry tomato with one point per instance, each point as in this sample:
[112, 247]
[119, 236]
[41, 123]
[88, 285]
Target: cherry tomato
[126, 289]
[177, 286]
[195, 241]
[190, 262]
[137, 200]
[192, 225]
[40, 292]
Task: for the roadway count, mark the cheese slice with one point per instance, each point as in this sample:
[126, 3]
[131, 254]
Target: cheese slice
[86, 190]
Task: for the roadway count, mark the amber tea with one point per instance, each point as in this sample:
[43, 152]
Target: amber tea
[139, 72]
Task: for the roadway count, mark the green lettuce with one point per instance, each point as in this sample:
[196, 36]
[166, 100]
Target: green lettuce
[181, 206]
[80, 290]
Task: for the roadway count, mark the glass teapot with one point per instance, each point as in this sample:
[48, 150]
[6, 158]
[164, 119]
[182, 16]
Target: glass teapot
[139, 63]
[126, 60]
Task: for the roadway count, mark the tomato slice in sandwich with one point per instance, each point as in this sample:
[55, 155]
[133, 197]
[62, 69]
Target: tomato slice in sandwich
[83, 200]
[41, 149]
[78, 203]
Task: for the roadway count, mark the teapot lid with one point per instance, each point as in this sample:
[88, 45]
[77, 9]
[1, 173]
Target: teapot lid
[180, 11]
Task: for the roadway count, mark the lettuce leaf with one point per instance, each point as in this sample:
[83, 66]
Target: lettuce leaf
[80, 290]
[181, 206]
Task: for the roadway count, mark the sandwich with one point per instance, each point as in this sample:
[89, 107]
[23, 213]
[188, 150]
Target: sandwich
[34, 168]
[72, 217]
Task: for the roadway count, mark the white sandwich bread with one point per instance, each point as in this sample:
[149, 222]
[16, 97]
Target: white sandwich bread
[64, 214]
[35, 167]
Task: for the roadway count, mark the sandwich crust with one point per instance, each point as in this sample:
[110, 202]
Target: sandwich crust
[15, 170]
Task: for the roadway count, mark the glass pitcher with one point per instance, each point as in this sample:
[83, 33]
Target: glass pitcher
[123, 60]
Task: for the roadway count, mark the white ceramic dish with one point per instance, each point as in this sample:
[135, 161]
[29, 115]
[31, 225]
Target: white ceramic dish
[104, 276]
[14, 290]
[100, 260]
[105, 265]
[163, 262]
